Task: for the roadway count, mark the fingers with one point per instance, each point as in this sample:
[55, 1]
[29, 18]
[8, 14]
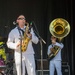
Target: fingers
[18, 43]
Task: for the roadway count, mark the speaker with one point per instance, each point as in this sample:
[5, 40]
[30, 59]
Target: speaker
[45, 72]
[45, 64]
[66, 69]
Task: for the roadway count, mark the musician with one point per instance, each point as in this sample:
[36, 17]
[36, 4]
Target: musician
[14, 42]
[56, 61]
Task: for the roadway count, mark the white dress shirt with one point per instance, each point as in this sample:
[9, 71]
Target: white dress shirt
[14, 38]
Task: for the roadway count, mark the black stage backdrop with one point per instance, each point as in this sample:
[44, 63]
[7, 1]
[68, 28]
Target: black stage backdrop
[41, 12]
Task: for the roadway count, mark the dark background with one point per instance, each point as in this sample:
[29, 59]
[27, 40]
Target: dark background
[42, 12]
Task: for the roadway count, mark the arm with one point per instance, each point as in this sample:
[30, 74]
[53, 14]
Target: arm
[49, 51]
[59, 44]
[34, 37]
[10, 42]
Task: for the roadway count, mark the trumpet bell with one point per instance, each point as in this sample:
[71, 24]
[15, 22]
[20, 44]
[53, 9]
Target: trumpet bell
[59, 28]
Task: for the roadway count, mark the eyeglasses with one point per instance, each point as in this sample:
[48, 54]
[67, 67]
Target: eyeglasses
[21, 19]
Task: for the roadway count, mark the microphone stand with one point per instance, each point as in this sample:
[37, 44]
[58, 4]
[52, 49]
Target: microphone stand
[41, 40]
[20, 48]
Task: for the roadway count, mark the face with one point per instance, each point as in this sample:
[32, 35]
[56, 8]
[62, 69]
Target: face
[53, 39]
[21, 21]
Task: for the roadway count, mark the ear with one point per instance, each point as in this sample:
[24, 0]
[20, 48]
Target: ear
[17, 21]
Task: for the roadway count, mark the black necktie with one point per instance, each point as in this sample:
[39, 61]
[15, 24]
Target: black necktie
[22, 31]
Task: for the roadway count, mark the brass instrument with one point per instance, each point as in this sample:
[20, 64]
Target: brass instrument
[26, 39]
[54, 52]
[59, 28]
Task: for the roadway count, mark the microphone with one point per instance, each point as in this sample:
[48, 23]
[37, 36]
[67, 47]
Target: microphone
[15, 23]
[31, 23]
[36, 31]
[34, 26]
